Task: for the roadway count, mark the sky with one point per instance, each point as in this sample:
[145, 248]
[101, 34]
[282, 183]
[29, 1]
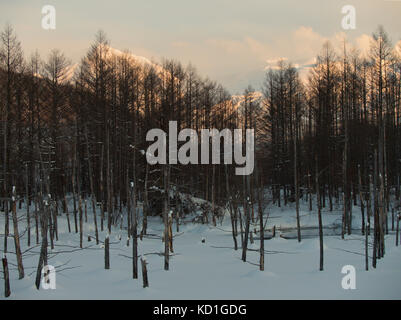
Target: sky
[230, 41]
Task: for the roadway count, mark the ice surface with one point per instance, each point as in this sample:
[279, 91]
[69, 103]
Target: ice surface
[211, 270]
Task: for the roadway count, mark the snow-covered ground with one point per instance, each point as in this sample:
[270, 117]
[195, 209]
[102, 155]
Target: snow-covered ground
[211, 270]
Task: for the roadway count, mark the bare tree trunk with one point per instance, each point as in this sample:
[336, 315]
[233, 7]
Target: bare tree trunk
[382, 214]
[345, 180]
[240, 224]
[16, 235]
[230, 205]
[5, 162]
[6, 275]
[86, 210]
[247, 222]
[129, 213]
[165, 217]
[177, 213]
[101, 189]
[170, 232]
[51, 232]
[80, 222]
[42, 261]
[109, 185]
[144, 273]
[55, 223]
[36, 205]
[366, 248]
[349, 208]
[361, 200]
[310, 192]
[392, 219]
[319, 210]
[369, 206]
[28, 216]
[134, 231]
[213, 194]
[67, 213]
[75, 204]
[107, 253]
[6, 225]
[93, 196]
[73, 177]
[296, 180]
[344, 216]
[145, 202]
[375, 210]
[44, 220]
[261, 227]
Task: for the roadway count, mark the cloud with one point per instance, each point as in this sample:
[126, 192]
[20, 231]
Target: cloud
[180, 44]
[273, 63]
[302, 46]
[363, 43]
[233, 62]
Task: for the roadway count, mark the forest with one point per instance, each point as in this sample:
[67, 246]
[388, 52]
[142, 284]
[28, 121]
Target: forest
[73, 147]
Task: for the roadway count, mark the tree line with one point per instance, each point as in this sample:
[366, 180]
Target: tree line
[71, 134]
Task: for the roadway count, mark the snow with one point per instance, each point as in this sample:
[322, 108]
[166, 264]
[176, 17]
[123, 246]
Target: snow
[211, 269]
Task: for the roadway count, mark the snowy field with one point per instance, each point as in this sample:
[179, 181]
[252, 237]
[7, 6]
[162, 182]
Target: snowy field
[210, 270]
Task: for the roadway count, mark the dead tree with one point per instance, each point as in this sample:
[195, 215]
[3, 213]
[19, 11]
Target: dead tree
[37, 219]
[80, 222]
[261, 227]
[382, 214]
[134, 233]
[6, 224]
[93, 196]
[55, 223]
[11, 62]
[144, 273]
[230, 206]
[129, 214]
[370, 200]
[170, 231]
[86, 210]
[319, 211]
[392, 219]
[107, 253]
[375, 213]
[28, 217]
[101, 190]
[108, 181]
[296, 182]
[44, 218]
[6, 275]
[145, 202]
[367, 247]
[67, 213]
[74, 176]
[177, 212]
[361, 200]
[51, 232]
[247, 221]
[165, 217]
[16, 235]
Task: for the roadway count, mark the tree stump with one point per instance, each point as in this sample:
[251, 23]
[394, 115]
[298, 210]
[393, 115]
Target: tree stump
[107, 253]
[144, 273]
[7, 291]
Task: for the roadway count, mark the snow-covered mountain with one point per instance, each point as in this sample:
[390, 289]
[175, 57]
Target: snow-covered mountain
[70, 71]
[115, 53]
[256, 97]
